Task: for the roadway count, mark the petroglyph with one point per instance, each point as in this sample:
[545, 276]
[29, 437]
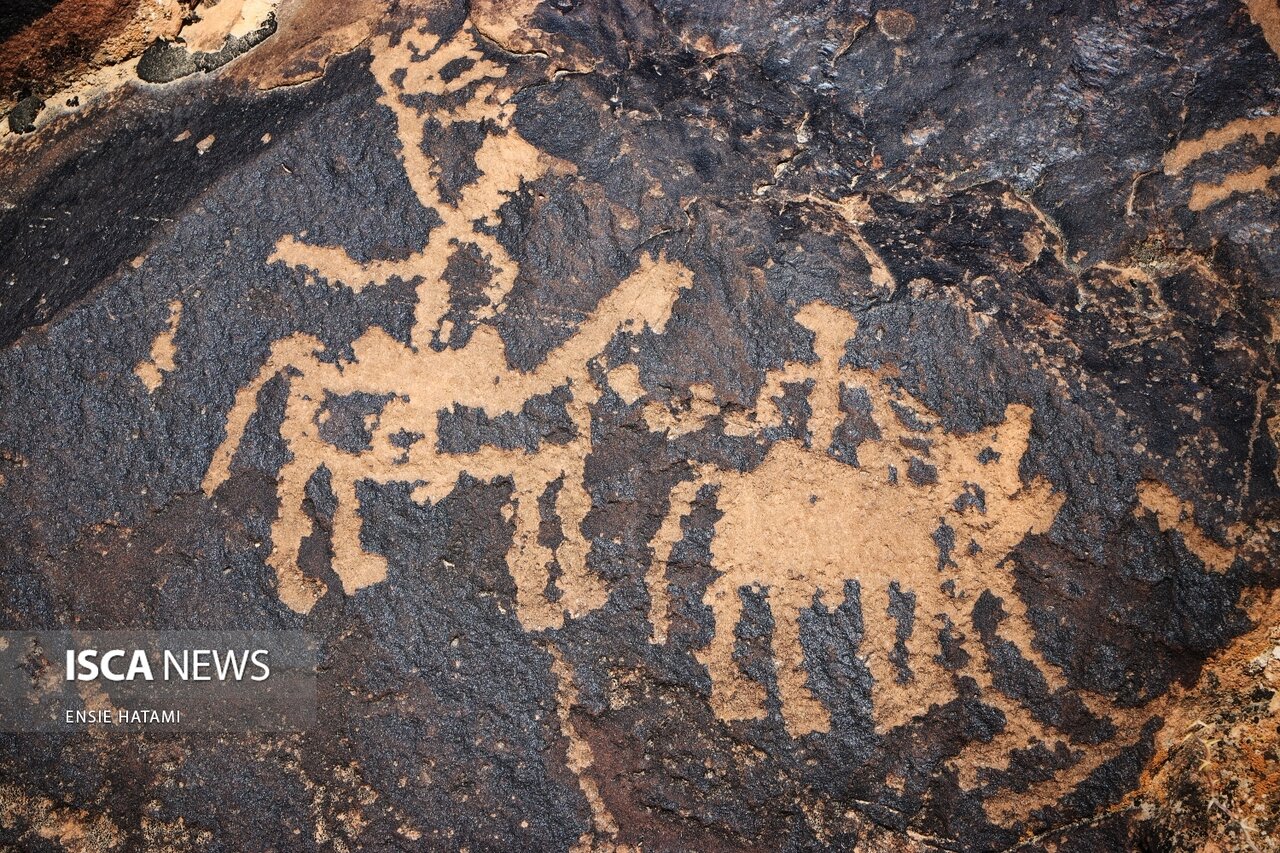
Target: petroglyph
[933, 512]
[411, 69]
[422, 381]
[1266, 14]
[579, 755]
[920, 523]
[1205, 194]
[152, 370]
[1173, 513]
[1190, 150]
[915, 525]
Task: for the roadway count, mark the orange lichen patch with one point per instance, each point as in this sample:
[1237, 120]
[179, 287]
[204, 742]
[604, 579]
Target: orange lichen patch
[1190, 150]
[152, 371]
[1173, 513]
[1215, 779]
[1204, 195]
[1266, 14]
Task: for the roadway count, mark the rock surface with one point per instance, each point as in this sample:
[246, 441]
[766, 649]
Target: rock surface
[730, 426]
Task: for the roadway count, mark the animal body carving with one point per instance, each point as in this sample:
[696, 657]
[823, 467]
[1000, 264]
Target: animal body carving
[923, 516]
[920, 525]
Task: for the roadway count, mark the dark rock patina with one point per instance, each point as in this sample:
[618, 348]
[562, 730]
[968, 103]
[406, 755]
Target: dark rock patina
[1063, 217]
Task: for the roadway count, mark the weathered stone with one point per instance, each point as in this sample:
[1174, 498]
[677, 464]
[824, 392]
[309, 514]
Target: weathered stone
[745, 426]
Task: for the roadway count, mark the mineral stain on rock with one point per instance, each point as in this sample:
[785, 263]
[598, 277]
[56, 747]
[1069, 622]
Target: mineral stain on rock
[749, 427]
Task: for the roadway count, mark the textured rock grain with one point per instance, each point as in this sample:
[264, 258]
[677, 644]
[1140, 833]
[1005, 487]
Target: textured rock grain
[732, 426]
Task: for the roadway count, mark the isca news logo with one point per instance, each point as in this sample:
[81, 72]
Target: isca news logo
[185, 665]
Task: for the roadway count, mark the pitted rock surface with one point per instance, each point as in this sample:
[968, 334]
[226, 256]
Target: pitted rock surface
[732, 426]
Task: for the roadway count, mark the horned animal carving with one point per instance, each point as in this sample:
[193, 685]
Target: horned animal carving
[923, 517]
[920, 524]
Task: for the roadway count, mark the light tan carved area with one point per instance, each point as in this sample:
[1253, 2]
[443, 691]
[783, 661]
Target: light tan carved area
[1266, 14]
[1173, 513]
[1206, 194]
[504, 158]
[425, 381]
[625, 381]
[159, 362]
[796, 528]
[580, 761]
[802, 523]
[1189, 151]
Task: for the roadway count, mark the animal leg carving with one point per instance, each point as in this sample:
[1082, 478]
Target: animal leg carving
[733, 695]
[802, 712]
